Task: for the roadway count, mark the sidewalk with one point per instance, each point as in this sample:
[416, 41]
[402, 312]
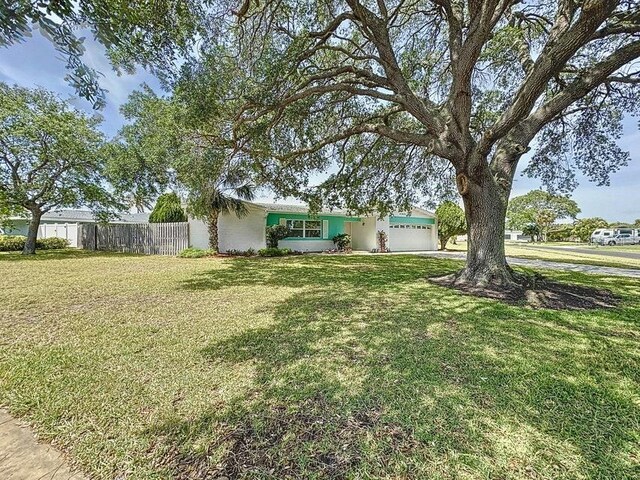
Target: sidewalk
[23, 458]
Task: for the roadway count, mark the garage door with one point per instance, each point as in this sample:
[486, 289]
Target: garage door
[408, 237]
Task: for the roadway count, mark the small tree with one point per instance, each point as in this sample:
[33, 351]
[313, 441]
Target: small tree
[583, 228]
[451, 222]
[50, 157]
[275, 233]
[532, 230]
[220, 190]
[540, 208]
[168, 209]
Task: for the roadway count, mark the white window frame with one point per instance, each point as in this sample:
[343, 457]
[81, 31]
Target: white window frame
[289, 223]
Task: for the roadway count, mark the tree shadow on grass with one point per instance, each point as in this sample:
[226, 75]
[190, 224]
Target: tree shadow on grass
[370, 371]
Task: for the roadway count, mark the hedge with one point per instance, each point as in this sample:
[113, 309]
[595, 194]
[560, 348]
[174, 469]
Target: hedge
[15, 243]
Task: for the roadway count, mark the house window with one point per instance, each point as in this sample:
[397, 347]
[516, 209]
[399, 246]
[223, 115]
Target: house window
[305, 228]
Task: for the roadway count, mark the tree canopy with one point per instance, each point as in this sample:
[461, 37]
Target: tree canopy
[451, 222]
[540, 208]
[50, 157]
[584, 227]
[167, 209]
[160, 147]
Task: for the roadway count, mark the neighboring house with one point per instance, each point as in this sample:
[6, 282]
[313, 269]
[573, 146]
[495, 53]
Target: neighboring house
[516, 236]
[414, 232]
[64, 224]
[509, 236]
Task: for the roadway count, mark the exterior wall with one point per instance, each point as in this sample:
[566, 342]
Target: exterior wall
[307, 245]
[198, 234]
[363, 234]
[337, 225]
[412, 220]
[242, 233]
[233, 233]
[516, 236]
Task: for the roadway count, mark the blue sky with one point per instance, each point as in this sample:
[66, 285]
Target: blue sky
[36, 63]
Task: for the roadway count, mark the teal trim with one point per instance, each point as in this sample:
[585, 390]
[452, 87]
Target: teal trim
[336, 223]
[412, 220]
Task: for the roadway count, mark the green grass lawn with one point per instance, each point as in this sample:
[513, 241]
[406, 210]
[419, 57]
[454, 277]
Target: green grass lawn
[313, 367]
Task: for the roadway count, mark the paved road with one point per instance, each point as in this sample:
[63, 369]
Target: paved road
[573, 267]
[590, 251]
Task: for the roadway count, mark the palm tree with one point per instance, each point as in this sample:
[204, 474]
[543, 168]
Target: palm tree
[222, 194]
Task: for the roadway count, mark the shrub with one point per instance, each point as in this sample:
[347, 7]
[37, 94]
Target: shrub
[241, 253]
[196, 253]
[342, 242]
[274, 252]
[15, 243]
[275, 233]
[12, 243]
[52, 243]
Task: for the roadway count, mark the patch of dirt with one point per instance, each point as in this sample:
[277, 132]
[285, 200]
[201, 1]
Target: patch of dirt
[287, 443]
[538, 292]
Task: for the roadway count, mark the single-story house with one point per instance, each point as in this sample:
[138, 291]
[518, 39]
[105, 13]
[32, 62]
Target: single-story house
[64, 224]
[415, 231]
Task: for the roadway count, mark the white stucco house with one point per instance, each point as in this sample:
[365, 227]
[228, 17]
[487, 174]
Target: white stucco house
[416, 231]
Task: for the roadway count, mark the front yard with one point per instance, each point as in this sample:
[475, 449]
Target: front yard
[313, 367]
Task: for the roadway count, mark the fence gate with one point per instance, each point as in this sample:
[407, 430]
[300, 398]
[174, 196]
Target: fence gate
[145, 238]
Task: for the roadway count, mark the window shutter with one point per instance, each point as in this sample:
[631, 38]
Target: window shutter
[325, 229]
[283, 222]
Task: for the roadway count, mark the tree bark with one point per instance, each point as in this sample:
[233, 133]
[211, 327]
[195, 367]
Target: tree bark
[213, 230]
[443, 242]
[485, 210]
[32, 235]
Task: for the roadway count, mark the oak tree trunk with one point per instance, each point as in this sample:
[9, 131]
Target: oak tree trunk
[443, 242]
[485, 211]
[213, 230]
[32, 235]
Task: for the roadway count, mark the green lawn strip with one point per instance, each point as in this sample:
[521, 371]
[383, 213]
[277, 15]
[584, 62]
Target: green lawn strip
[313, 367]
[540, 253]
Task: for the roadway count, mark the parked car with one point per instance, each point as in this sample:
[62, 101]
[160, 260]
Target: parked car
[622, 239]
[601, 236]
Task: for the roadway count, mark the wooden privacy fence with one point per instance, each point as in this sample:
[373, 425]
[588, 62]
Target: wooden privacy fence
[146, 238]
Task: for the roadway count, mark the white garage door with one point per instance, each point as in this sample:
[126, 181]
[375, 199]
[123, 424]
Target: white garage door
[408, 237]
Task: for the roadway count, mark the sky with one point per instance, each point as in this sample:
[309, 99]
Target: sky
[36, 63]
